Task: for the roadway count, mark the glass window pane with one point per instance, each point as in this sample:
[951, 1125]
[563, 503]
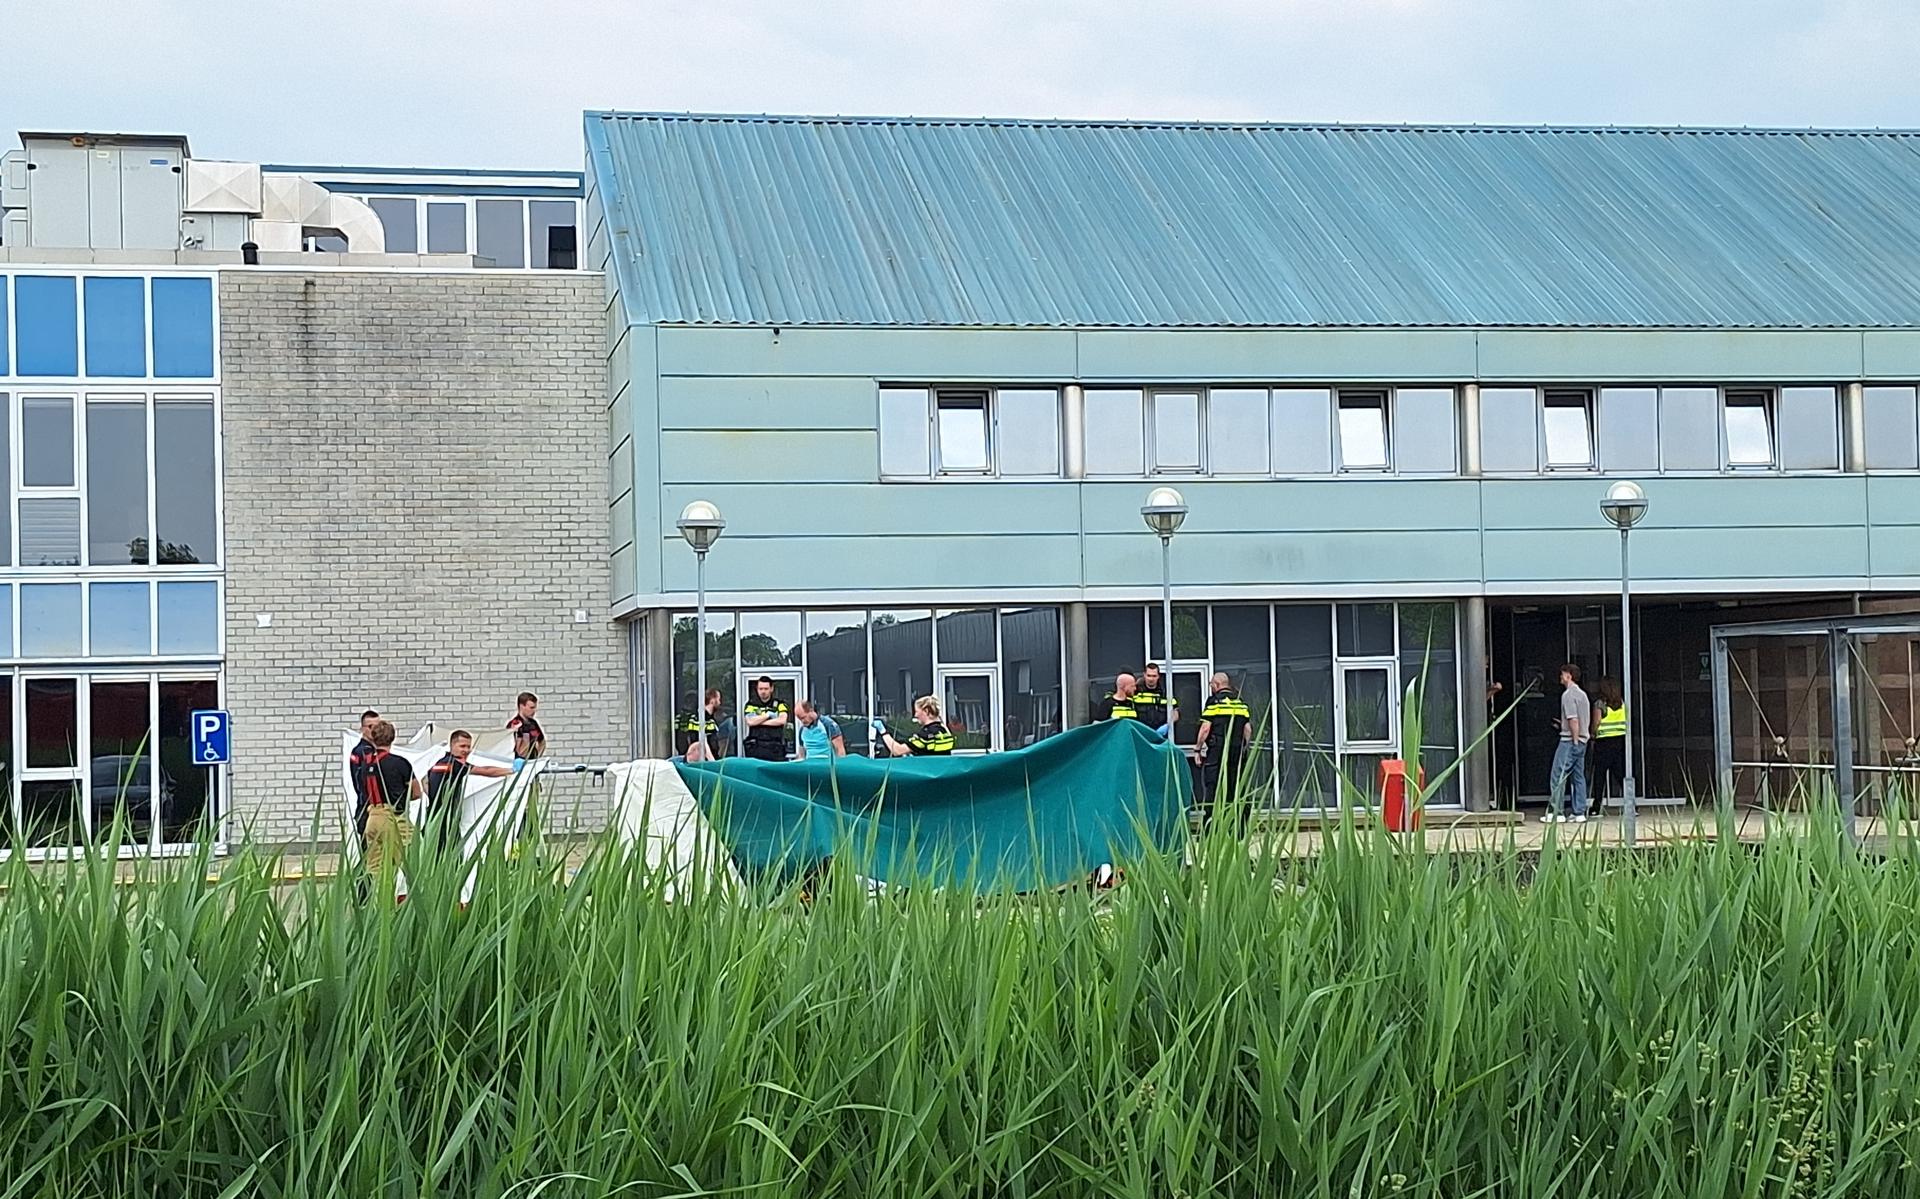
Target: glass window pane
[120, 758]
[721, 675]
[7, 761]
[1363, 431]
[961, 423]
[902, 666]
[552, 225]
[1892, 443]
[1424, 439]
[51, 813]
[769, 639]
[1749, 440]
[46, 441]
[446, 228]
[500, 231]
[116, 483]
[1115, 438]
[837, 673]
[1030, 674]
[1028, 438]
[6, 479]
[903, 431]
[400, 217]
[1689, 428]
[46, 327]
[965, 637]
[1242, 647]
[184, 515]
[6, 651]
[1427, 654]
[189, 618]
[1303, 704]
[183, 328]
[1237, 434]
[119, 620]
[1302, 431]
[1809, 428]
[1368, 698]
[1366, 630]
[967, 711]
[50, 620]
[1176, 431]
[188, 792]
[1569, 438]
[1189, 633]
[1509, 433]
[53, 723]
[116, 326]
[1630, 429]
[1116, 643]
[50, 532]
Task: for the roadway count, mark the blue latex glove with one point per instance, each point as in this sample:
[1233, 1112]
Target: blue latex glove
[879, 728]
[1165, 730]
[518, 763]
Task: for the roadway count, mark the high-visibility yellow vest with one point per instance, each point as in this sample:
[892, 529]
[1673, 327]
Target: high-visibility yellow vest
[1612, 724]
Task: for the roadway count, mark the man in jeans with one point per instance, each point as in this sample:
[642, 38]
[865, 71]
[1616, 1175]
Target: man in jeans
[1570, 759]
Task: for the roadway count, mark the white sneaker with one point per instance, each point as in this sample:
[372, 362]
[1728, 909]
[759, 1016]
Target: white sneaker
[1550, 818]
[1579, 819]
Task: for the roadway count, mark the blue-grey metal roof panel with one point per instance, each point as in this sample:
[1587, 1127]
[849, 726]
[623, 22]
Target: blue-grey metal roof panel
[741, 220]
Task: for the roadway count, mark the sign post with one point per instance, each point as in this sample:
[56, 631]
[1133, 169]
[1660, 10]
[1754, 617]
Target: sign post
[212, 737]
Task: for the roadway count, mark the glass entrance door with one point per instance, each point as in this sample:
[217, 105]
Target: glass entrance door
[970, 707]
[786, 690]
[1187, 682]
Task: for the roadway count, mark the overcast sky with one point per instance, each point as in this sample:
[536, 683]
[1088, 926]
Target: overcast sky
[501, 83]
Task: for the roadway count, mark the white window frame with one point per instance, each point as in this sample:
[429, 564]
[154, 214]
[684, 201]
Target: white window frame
[1151, 434]
[420, 202]
[1385, 395]
[989, 459]
[1588, 404]
[1767, 398]
[996, 701]
[992, 432]
[1345, 666]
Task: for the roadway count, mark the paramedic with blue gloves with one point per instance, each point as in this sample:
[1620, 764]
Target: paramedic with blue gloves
[932, 739]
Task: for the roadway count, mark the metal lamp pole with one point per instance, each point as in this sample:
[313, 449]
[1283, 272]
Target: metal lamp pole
[1624, 506]
[701, 524]
[1164, 512]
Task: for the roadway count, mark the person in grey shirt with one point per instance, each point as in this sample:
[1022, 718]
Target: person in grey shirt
[1570, 759]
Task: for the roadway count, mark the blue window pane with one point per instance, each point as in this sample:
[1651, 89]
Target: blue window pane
[119, 620]
[50, 620]
[3, 324]
[183, 328]
[117, 327]
[189, 618]
[46, 326]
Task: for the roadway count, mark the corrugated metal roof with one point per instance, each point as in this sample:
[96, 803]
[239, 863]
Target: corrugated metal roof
[743, 220]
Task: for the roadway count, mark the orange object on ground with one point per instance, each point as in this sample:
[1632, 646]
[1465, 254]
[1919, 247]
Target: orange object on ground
[1397, 809]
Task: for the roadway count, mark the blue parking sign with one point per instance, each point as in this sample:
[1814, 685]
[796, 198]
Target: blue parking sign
[211, 739]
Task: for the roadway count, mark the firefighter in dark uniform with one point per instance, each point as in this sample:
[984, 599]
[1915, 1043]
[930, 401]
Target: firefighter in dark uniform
[447, 786]
[1226, 728]
[529, 739]
[932, 739]
[703, 729]
[1154, 702]
[767, 720]
[358, 763]
[1118, 705]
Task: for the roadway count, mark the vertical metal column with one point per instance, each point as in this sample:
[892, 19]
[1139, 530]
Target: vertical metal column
[1476, 774]
[700, 643]
[662, 685]
[1629, 816]
[1166, 602]
[1722, 726]
[1840, 666]
[1076, 703]
[1073, 405]
[1853, 453]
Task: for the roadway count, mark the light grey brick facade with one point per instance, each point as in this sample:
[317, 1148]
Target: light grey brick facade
[416, 497]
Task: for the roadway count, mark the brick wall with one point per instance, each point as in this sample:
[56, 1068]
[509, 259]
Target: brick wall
[416, 496]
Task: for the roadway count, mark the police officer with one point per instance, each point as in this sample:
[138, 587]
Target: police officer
[932, 739]
[703, 729]
[1156, 707]
[767, 719]
[1226, 727]
[1119, 705]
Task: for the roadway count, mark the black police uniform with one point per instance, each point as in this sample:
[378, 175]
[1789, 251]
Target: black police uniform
[932, 739]
[1152, 705]
[765, 742]
[688, 730]
[1227, 718]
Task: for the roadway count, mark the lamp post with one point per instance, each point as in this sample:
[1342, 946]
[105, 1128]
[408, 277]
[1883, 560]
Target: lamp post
[1164, 512]
[1625, 505]
[700, 523]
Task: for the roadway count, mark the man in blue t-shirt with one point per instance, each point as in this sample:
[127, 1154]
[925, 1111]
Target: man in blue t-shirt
[819, 735]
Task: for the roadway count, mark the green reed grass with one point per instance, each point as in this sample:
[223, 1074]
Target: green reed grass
[1705, 1019]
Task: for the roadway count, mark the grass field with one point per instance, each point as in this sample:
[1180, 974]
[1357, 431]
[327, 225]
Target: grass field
[1703, 1020]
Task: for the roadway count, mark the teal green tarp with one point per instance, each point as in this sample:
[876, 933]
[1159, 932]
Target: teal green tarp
[1028, 819]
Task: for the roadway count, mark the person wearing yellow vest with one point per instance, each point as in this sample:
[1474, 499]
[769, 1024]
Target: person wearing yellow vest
[1119, 703]
[932, 740]
[1226, 731]
[1609, 740]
